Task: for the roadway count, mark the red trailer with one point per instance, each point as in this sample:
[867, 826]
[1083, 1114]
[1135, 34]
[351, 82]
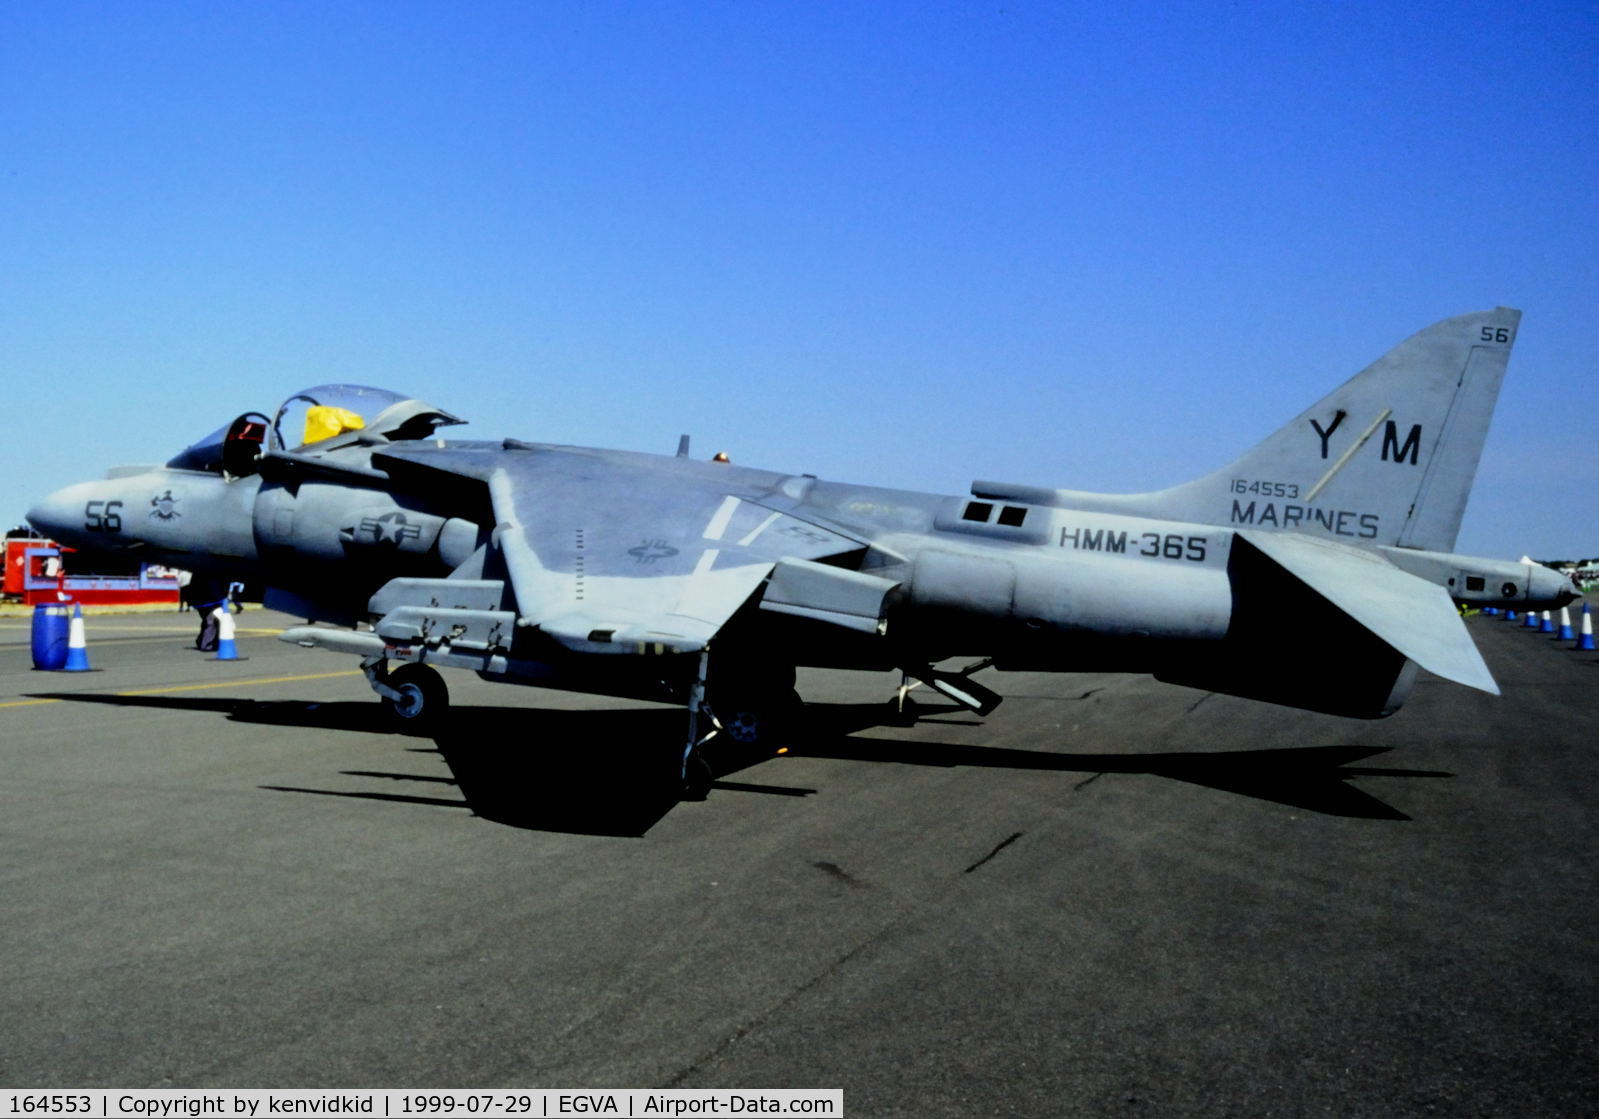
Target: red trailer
[37, 572]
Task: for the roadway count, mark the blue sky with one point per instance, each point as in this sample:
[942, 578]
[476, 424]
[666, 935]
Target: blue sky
[1103, 247]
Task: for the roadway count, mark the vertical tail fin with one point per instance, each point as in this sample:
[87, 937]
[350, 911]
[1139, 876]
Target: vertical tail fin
[1389, 457]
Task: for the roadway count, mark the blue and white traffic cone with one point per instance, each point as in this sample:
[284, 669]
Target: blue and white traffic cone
[1548, 625]
[1491, 611]
[1565, 624]
[226, 649]
[77, 648]
[1532, 620]
[1510, 615]
[1585, 642]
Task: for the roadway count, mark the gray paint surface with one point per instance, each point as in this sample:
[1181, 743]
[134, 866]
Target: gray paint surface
[594, 555]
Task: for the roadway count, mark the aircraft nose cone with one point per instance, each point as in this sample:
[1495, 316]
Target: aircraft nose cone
[59, 516]
[41, 517]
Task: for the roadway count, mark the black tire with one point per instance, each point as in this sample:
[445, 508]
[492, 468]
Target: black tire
[425, 702]
[697, 778]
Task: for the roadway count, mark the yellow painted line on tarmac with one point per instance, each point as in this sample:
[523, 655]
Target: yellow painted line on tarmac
[110, 635]
[236, 683]
[114, 639]
[201, 687]
[133, 628]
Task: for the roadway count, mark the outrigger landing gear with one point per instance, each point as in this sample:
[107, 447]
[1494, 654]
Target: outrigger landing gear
[414, 695]
[958, 686]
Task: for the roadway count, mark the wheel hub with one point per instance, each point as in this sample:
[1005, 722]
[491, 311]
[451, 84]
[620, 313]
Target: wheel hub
[409, 705]
[743, 727]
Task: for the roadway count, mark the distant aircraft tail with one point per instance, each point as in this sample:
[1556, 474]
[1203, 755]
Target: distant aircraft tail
[1387, 458]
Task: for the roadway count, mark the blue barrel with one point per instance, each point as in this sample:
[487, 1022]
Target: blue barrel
[50, 630]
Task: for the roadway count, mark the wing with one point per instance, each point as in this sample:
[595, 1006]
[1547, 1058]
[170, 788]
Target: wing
[614, 552]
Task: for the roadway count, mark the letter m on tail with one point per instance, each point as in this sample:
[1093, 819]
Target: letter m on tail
[1392, 451]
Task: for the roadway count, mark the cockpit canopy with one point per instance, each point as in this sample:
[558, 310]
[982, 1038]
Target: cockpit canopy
[311, 421]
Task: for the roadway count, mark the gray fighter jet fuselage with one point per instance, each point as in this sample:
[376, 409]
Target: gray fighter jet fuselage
[708, 582]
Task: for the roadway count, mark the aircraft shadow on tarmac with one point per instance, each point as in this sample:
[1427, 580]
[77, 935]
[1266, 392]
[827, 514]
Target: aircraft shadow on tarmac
[1314, 778]
[612, 772]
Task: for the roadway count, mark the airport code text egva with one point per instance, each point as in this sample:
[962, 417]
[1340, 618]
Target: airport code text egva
[253, 1104]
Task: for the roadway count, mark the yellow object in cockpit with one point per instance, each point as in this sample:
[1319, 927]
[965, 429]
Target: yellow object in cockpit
[323, 421]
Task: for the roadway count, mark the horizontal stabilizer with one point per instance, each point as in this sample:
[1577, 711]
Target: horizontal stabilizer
[1416, 618]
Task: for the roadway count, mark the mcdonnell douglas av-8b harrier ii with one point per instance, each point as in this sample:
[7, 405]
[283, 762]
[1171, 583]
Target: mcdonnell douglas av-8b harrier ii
[707, 583]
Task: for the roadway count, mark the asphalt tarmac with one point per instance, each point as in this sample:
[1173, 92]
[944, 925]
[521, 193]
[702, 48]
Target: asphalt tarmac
[1109, 897]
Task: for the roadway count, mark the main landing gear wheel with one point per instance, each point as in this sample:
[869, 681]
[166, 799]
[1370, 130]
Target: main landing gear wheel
[752, 700]
[424, 698]
[757, 721]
